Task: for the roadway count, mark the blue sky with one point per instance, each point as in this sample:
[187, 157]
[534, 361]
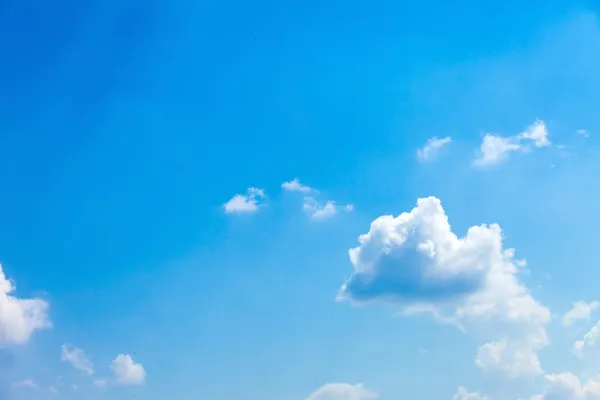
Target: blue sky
[127, 129]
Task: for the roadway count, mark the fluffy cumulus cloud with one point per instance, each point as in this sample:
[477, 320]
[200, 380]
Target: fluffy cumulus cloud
[432, 147]
[495, 149]
[581, 310]
[19, 318]
[245, 203]
[566, 386]
[322, 210]
[342, 391]
[295, 186]
[464, 394]
[126, 371]
[77, 358]
[415, 261]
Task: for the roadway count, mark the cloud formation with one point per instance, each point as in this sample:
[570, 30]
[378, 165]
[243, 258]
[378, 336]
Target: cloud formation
[19, 318]
[464, 394]
[126, 371]
[342, 391]
[295, 186]
[589, 339]
[566, 386]
[318, 210]
[431, 148]
[494, 149]
[417, 262]
[245, 203]
[77, 358]
[580, 310]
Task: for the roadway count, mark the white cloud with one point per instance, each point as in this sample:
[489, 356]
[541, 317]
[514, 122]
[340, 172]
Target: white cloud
[77, 358]
[580, 310]
[19, 318]
[494, 149]
[127, 371]
[342, 391]
[245, 203]
[538, 133]
[416, 261]
[53, 390]
[566, 386]
[430, 150]
[317, 210]
[295, 186]
[583, 132]
[464, 394]
[589, 339]
[25, 384]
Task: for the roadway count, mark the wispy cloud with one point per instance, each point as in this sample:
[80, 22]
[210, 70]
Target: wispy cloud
[25, 384]
[77, 358]
[295, 186]
[322, 210]
[583, 132]
[494, 148]
[431, 148]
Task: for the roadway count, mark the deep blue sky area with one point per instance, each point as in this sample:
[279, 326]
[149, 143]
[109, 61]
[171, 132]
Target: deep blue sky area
[125, 127]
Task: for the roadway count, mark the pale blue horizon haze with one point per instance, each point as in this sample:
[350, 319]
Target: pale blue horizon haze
[183, 182]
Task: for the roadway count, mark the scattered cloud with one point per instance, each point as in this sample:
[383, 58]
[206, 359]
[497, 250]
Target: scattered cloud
[589, 339]
[317, 210]
[432, 147]
[464, 394]
[580, 310]
[566, 386]
[295, 186]
[53, 390]
[342, 391]
[495, 149]
[25, 384]
[127, 372]
[583, 132]
[245, 203]
[538, 133]
[77, 358]
[417, 262]
[19, 318]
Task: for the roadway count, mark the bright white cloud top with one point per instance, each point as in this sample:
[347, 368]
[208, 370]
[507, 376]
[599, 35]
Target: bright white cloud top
[77, 358]
[417, 262]
[245, 203]
[495, 149]
[432, 147]
[126, 371]
[19, 318]
[342, 391]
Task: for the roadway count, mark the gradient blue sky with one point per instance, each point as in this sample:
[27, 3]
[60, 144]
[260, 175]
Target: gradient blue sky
[126, 125]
